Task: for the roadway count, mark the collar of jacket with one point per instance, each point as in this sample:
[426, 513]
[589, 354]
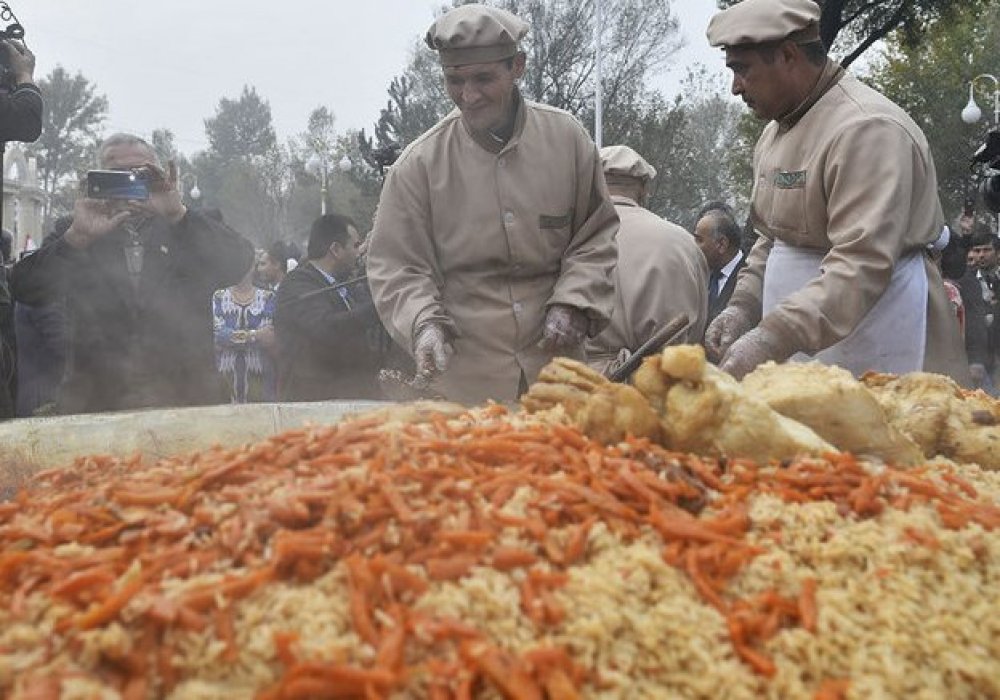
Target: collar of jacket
[621, 200]
[490, 143]
[831, 75]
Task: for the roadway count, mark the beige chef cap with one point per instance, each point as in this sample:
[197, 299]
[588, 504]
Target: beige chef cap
[760, 21]
[475, 34]
[622, 161]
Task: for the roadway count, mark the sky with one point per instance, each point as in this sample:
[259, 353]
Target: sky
[166, 65]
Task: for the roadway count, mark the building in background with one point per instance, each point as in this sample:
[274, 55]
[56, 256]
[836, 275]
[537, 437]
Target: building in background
[23, 199]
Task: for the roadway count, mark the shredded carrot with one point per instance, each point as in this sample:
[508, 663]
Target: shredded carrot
[833, 689]
[107, 610]
[807, 604]
[403, 512]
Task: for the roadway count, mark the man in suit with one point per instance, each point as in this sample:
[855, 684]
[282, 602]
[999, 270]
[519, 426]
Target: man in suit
[328, 335]
[719, 236]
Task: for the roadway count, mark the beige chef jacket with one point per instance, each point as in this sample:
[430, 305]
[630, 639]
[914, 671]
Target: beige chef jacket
[661, 274]
[484, 238]
[849, 174]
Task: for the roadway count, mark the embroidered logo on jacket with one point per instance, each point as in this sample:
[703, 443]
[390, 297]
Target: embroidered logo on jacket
[790, 181]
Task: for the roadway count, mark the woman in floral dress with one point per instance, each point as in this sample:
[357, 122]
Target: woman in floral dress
[244, 340]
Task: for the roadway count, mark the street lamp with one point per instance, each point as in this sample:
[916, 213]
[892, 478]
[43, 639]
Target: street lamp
[972, 114]
[317, 164]
[193, 191]
[599, 69]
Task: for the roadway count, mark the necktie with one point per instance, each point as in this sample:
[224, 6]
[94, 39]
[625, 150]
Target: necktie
[713, 286]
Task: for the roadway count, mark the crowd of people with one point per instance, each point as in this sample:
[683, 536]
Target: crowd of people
[504, 237]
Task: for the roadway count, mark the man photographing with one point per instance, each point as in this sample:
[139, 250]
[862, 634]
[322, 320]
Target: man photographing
[138, 277]
[20, 120]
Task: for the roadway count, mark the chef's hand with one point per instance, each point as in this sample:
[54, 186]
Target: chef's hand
[724, 330]
[754, 348]
[565, 328]
[431, 350]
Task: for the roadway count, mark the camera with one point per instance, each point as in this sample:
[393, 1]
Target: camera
[11, 29]
[118, 184]
[986, 166]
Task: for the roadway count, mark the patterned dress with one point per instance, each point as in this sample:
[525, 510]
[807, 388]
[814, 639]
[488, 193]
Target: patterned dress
[246, 369]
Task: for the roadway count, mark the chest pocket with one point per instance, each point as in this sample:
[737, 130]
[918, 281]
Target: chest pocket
[782, 201]
[555, 229]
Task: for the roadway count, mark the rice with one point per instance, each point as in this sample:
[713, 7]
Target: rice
[907, 607]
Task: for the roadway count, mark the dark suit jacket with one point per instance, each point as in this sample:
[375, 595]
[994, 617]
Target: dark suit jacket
[145, 345]
[977, 332]
[714, 309]
[326, 350]
[41, 354]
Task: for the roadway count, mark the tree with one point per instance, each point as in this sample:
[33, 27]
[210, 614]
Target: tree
[702, 171]
[639, 37]
[931, 82]
[417, 100]
[851, 27]
[245, 172]
[73, 117]
[241, 127]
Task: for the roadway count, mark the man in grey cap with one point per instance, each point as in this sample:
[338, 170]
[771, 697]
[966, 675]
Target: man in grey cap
[493, 243]
[661, 273]
[845, 199]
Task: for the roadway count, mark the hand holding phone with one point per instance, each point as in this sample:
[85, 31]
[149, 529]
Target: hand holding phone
[126, 185]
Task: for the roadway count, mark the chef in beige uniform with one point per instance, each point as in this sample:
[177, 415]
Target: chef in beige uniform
[493, 245]
[661, 273]
[845, 199]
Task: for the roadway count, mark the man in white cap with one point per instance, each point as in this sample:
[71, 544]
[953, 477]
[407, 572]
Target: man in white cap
[493, 244]
[845, 199]
[661, 273]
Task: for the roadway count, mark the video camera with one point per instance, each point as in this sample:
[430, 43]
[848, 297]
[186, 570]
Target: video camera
[986, 166]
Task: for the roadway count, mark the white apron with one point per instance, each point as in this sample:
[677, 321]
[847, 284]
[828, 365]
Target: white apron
[892, 335]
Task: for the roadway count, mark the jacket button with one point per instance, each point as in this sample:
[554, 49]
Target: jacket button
[508, 217]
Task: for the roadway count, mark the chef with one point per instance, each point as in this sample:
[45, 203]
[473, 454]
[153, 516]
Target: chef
[845, 199]
[661, 273]
[493, 246]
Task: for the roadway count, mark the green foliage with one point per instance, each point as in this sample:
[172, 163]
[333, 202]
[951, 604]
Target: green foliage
[687, 140]
[931, 82]
[851, 27]
[242, 127]
[73, 116]
[639, 37]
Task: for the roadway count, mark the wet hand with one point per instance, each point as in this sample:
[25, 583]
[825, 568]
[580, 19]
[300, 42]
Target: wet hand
[565, 328]
[724, 330]
[754, 348]
[432, 351]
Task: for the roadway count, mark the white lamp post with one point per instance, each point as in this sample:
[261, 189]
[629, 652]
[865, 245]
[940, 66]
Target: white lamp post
[972, 114]
[599, 70]
[317, 164]
[193, 192]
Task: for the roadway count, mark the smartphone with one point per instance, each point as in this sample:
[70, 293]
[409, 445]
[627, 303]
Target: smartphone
[117, 184]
